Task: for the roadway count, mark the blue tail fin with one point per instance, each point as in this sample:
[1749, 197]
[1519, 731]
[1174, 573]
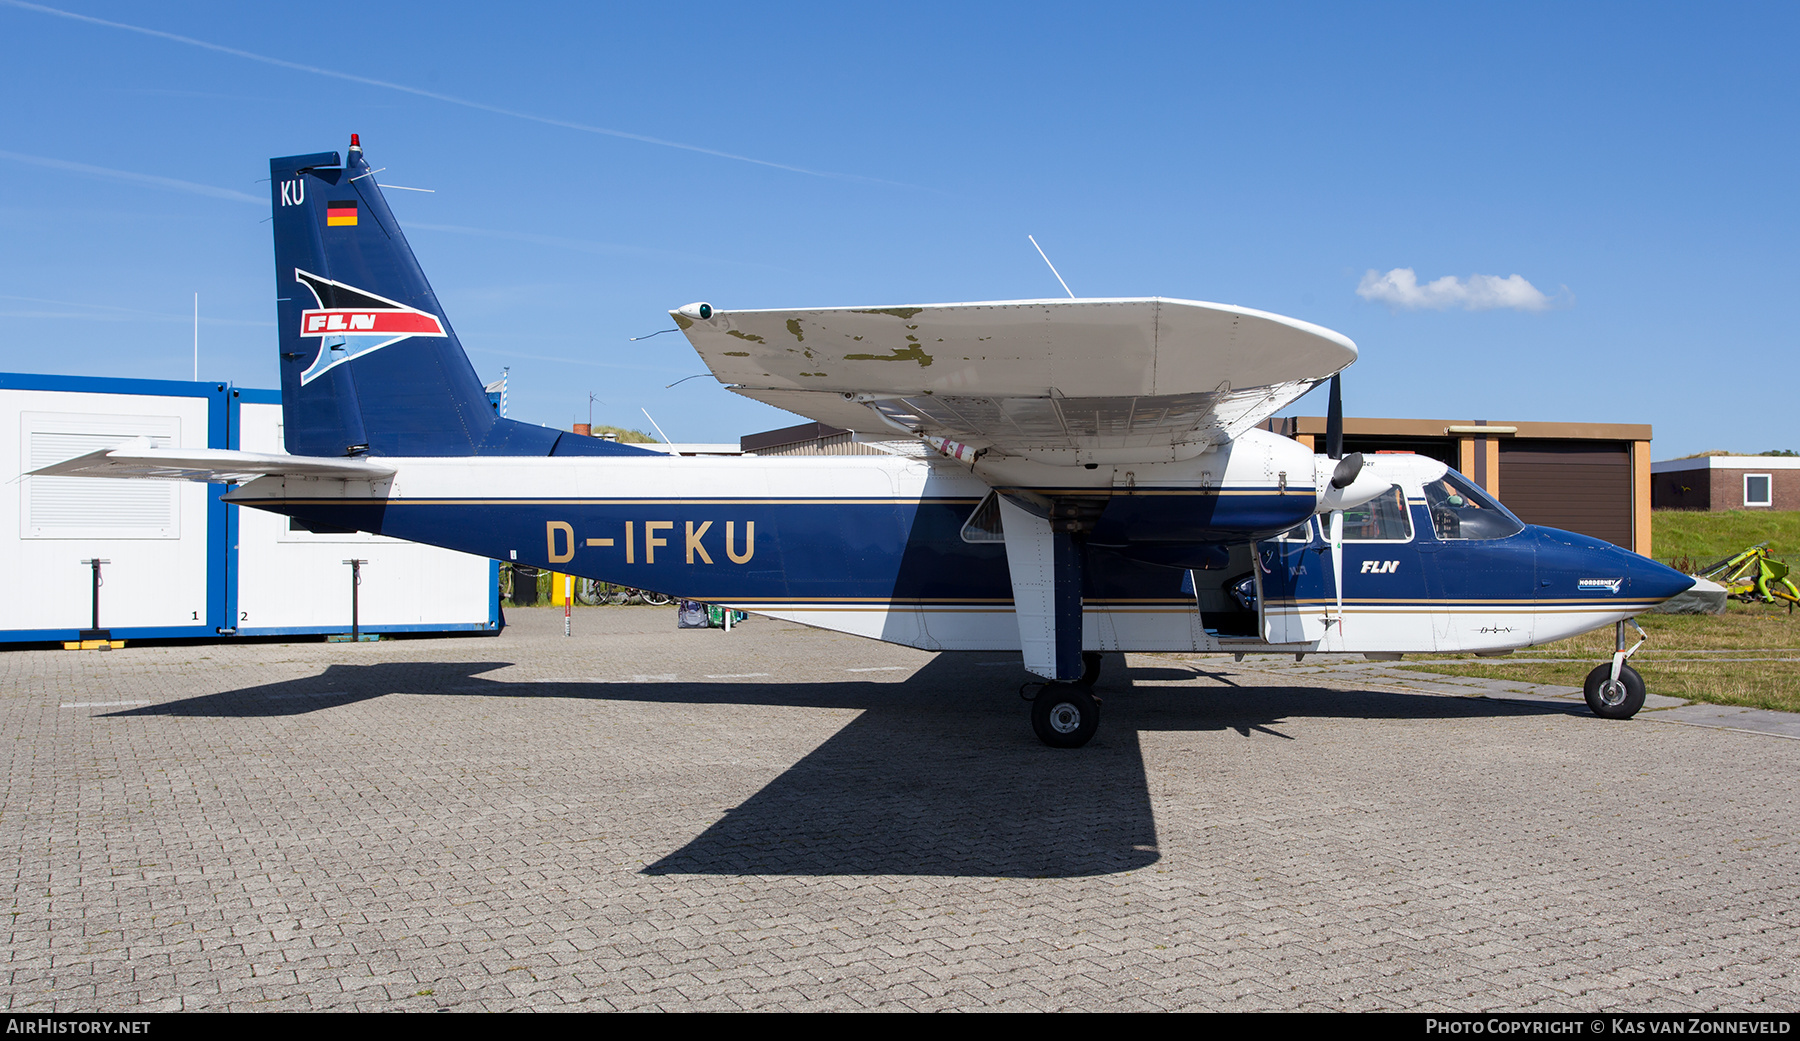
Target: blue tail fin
[369, 363]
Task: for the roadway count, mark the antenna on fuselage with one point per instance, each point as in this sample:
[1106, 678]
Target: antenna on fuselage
[652, 420]
[1052, 267]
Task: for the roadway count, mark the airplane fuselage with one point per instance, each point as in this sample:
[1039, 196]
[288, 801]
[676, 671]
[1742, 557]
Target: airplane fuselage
[880, 546]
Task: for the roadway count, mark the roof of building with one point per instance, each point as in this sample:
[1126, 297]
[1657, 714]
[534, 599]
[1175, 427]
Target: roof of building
[1728, 462]
[1366, 426]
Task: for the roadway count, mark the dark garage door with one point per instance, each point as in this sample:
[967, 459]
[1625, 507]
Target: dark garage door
[1580, 486]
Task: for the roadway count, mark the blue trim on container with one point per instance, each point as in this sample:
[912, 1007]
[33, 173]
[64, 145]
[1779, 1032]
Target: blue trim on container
[189, 632]
[70, 635]
[109, 385]
[314, 630]
[221, 545]
[494, 595]
[234, 439]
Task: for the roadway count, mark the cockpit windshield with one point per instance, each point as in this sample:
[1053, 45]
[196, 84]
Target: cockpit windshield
[1459, 510]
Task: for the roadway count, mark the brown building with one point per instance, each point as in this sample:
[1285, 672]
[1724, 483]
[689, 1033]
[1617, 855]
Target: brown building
[1593, 478]
[1726, 482]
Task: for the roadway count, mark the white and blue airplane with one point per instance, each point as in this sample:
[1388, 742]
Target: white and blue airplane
[1060, 478]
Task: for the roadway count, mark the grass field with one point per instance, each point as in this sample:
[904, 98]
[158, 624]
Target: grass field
[1700, 537]
[1748, 656]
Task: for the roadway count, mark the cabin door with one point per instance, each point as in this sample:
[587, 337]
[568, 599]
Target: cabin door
[1290, 575]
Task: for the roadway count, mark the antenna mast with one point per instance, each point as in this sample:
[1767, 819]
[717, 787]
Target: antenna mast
[1052, 267]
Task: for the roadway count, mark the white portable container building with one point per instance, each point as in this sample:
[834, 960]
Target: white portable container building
[179, 561]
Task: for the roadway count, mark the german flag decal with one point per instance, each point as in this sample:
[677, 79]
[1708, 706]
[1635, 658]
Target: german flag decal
[340, 213]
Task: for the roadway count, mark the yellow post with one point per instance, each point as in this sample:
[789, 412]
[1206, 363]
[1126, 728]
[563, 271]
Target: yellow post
[558, 589]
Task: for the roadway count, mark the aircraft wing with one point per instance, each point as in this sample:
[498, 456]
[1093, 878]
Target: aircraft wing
[1133, 378]
[138, 459]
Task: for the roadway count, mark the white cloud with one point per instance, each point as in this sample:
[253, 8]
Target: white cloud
[1400, 288]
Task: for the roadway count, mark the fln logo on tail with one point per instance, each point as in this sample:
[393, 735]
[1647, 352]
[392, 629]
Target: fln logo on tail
[352, 322]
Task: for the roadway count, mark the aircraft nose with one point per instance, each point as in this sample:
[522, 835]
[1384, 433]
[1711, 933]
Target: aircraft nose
[1569, 564]
[1654, 581]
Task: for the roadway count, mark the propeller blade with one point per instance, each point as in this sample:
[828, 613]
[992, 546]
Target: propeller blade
[1337, 562]
[1334, 422]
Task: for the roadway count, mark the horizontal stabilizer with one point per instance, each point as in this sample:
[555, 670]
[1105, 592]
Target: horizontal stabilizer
[217, 465]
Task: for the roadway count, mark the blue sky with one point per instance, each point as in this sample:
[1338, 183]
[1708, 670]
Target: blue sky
[1633, 165]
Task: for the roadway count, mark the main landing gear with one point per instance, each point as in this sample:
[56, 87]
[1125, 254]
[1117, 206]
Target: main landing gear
[1046, 544]
[1065, 715]
[1615, 690]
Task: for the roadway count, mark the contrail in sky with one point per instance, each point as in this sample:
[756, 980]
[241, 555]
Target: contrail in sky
[572, 361]
[149, 180]
[448, 99]
[581, 245]
[92, 312]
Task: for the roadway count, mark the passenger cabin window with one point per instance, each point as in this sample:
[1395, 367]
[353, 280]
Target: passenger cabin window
[1381, 519]
[1460, 511]
[1756, 490]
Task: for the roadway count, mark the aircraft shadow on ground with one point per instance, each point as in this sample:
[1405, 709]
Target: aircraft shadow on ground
[938, 775]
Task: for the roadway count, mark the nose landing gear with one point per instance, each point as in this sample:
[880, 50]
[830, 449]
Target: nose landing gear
[1615, 690]
[1614, 698]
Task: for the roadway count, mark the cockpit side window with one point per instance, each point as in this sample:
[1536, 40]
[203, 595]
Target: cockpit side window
[1460, 511]
[1381, 519]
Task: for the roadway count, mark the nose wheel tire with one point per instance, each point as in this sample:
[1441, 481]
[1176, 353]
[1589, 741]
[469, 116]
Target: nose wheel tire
[1614, 700]
[1065, 715]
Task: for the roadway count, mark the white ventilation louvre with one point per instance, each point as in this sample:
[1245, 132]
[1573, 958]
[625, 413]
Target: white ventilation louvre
[87, 507]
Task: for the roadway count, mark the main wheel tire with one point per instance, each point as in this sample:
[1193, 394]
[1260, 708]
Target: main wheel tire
[1090, 667]
[1611, 700]
[1065, 715]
